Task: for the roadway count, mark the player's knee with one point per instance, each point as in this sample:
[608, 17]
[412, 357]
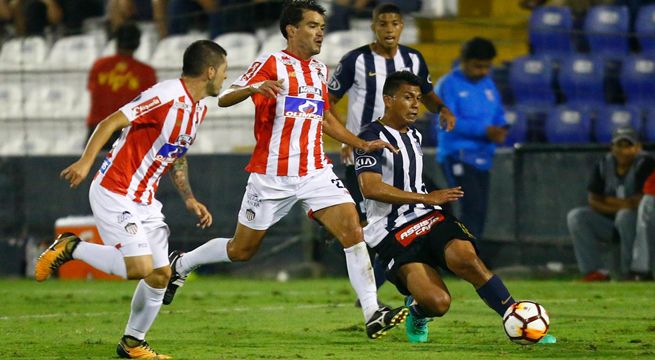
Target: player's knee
[350, 234]
[243, 253]
[159, 277]
[139, 270]
[436, 305]
[574, 217]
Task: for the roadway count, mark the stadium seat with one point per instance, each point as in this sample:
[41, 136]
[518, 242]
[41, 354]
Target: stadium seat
[606, 27]
[273, 43]
[68, 136]
[580, 79]
[568, 125]
[518, 127]
[169, 51]
[615, 116]
[645, 28]
[76, 52]
[649, 125]
[52, 102]
[14, 144]
[338, 43]
[530, 78]
[23, 53]
[241, 48]
[637, 78]
[143, 53]
[550, 31]
[11, 101]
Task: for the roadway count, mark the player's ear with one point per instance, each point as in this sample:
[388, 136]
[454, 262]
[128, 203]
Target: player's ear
[388, 100]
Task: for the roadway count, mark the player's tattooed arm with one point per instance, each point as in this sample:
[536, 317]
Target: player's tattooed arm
[180, 177]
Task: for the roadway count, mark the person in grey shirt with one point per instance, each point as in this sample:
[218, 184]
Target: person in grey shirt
[615, 190]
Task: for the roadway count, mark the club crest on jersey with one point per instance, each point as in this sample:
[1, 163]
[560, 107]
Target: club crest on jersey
[303, 108]
[168, 153]
[146, 106]
[365, 161]
[286, 60]
[310, 90]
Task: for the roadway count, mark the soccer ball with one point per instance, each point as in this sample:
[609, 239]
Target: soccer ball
[526, 322]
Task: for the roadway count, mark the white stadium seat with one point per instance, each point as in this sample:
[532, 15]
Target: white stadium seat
[73, 53]
[273, 43]
[53, 101]
[143, 53]
[169, 51]
[241, 48]
[14, 142]
[337, 44]
[23, 53]
[11, 101]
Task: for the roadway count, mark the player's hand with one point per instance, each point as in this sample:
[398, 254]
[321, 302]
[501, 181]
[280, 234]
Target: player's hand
[440, 197]
[370, 146]
[200, 210]
[346, 154]
[446, 119]
[268, 88]
[75, 173]
[496, 134]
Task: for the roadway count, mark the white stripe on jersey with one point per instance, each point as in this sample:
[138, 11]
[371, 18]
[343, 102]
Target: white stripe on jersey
[356, 107]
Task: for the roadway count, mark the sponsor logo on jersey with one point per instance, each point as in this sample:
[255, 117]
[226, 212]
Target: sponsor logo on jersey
[409, 233]
[310, 90]
[146, 106]
[303, 108]
[105, 166]
[252, 70]
[334, 84]
[168, 153]
[365, 161]
[131, 228]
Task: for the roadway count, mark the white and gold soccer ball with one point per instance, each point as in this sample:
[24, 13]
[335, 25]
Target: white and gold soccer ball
[526, 322]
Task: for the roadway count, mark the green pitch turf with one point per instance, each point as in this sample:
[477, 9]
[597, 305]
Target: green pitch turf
[221, 318]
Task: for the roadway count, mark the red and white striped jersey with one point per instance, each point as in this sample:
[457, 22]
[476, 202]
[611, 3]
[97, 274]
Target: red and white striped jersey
[163, 124]
[288, 129]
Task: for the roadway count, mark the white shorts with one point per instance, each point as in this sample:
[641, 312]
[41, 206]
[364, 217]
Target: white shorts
[134, 229]
[269, 198]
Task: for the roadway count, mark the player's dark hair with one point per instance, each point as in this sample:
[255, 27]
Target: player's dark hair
[397, 79]
[479, 49]
[128, 37]
[386, 8]
[201, 54]
[293, 11]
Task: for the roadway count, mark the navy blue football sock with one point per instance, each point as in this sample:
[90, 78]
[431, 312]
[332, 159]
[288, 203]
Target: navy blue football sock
[379, 270]
[495, 295]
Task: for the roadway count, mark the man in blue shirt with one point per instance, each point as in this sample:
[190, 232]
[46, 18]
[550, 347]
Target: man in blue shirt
[466, 153]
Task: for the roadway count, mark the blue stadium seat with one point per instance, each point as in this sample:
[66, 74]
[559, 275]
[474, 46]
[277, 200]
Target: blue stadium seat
[649, 125]
[581, 81]
[645, 28]
[606, 27]
[615, 116]
[638, 80]
[568, 125]
[518, 130]
[550, 31]
[530, 78]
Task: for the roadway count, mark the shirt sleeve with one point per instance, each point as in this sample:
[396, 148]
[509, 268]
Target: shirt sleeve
[499, 114]
[343, 77]
[596, 184]
[142, 108]
[372, 161]
[424, 74]
[264, 68]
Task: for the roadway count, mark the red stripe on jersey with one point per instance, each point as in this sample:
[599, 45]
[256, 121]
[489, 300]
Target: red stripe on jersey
[189, 123]
[143, 184]
[293, 81]
[202, 117]
[264, 118]
[318, 164]
[304, 143]
[285, 142]
[127, 160]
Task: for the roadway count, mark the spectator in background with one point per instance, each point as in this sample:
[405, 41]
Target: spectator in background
[122, 11]
[117, 79]
[343, 10]
[614, 192]
[643, 263]
[32, 17]
[466, 153]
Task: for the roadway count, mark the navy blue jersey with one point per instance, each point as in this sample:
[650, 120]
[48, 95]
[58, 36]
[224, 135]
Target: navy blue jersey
[362, 73]
[403, 170]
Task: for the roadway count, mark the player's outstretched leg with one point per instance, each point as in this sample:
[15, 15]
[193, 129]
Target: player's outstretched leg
[132, 348]
[385, 319]
[177, 279]
[416, 326]
[55, 255]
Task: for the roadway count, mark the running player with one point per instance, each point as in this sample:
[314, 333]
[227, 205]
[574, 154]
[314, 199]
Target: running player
[288, 164]
[361, 74]
[406, 226]
[158, 126]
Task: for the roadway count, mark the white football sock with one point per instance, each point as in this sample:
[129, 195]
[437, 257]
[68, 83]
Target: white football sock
[213, 251]
[361, 277]
[145, 307]
[102, 257]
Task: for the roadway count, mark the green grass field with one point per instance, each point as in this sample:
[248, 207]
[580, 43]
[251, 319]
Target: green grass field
[221, 318]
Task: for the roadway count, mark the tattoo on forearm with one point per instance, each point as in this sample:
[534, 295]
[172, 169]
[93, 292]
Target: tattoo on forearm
[180, 177]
